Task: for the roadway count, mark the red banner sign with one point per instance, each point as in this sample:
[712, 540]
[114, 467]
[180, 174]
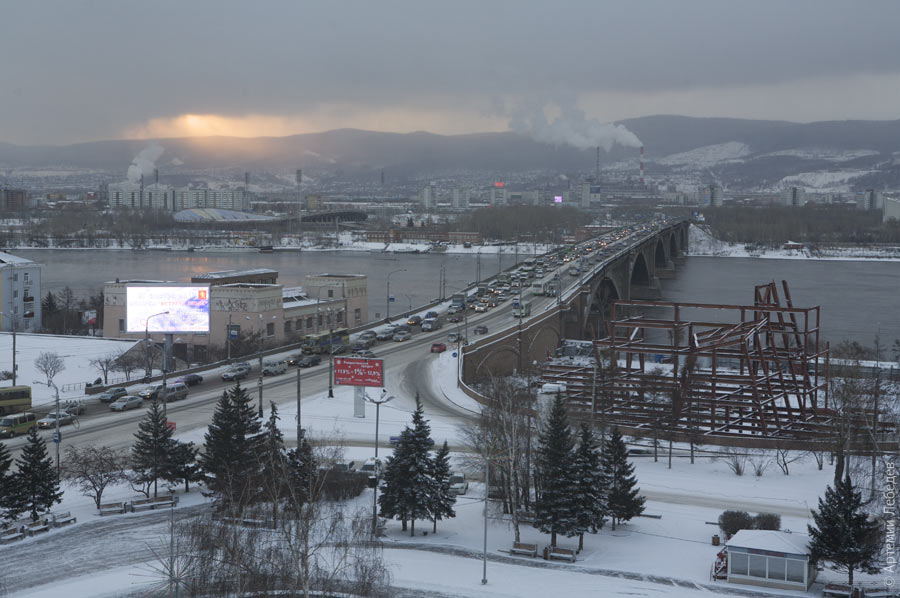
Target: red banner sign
[354, 371]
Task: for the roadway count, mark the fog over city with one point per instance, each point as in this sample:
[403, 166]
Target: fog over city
[79, 71]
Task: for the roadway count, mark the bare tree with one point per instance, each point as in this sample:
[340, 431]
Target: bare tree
[126, 362]
[105, 364]
[784, 457]
[50, 364]
[94, 468]
[759, 462]
[734, 459]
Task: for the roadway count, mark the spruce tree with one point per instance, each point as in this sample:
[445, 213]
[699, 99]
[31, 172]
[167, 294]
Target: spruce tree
[229, 459]
[151, 454]
[622, 496]
[555, 508]
[843, 534]
[272, 482]
[301, 473]
[590, 491]
[183, 466]
[441, 501]
[35, 485]
[9, 500]
[408, 473]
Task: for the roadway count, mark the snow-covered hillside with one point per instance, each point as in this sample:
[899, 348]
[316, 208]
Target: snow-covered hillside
[708, 155]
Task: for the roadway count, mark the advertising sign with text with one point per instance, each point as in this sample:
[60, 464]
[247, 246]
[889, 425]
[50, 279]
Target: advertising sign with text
[356, 371]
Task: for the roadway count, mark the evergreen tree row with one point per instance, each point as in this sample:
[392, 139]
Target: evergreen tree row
[417, 484]
[579, 486]
[34, 487]
[155, 455]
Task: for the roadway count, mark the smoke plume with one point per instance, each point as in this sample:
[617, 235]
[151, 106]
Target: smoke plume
[144, 162]
[570, 127]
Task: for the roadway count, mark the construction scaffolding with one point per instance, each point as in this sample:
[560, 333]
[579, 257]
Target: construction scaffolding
[761, 373]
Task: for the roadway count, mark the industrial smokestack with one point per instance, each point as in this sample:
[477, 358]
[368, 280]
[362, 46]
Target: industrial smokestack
[156, 174]
[246, 181]
[642, 165]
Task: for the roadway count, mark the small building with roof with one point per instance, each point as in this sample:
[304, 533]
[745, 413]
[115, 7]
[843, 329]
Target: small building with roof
[770, 559]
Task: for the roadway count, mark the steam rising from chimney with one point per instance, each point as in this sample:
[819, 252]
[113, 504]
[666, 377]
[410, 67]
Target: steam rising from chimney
[570, 128]
[144, 162]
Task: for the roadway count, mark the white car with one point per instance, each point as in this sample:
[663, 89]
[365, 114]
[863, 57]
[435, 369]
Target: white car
[401, 336]
[273, 368]
[50, 421]
[125, 403]
[458, 484]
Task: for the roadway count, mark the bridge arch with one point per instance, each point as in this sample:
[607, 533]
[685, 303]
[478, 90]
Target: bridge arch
[659, 257]
[483, 368]
[683, 238]
[640, 273]
[673, 247]
[605, 293]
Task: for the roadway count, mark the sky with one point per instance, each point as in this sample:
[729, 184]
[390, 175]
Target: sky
[83, 70]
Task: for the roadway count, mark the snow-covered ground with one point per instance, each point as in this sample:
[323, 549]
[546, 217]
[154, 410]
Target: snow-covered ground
[76, 351]
[837, 181]
[702, 243]
[708, 155]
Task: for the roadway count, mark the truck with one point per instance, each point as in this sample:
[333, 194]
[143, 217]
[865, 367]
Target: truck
[521, 309]
[458, 302]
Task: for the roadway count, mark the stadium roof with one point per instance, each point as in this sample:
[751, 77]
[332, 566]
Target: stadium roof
[217, 215]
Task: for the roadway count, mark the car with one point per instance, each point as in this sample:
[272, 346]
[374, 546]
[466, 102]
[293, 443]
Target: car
[454, 337]
[50, 420]
[481, 308]
[112, 394]
[455, 318]
[454, 309]
[176, 392]
[151, 393]
[364, 343]
[371, 465]
[493, 302]
[74, 406]
[431, 314]
[273, 368]
[401, 336]
[385, 335]
[481, 329]
[414, 320]
[367, 334]
[295, 359]
[307, 361]
[190, 379]
[366, 354]
[125, 403]
[438, 347]
[458, 484]
[236, 372]
[502, 297]
[431, 324]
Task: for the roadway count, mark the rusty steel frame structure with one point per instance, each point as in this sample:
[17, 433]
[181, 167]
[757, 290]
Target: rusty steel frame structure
[764, 375]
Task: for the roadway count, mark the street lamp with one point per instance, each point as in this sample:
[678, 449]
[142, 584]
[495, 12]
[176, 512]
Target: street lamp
[14, 327]
[147, 339]
[56, 438]
[388, 310]
[378, 403]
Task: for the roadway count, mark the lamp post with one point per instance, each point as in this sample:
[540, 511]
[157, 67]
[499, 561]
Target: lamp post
[14, 327]
[299, 425]
[487, 484]
[378, 403]
[147, 339]
[388, 300]
[56, 438]
[259, 381]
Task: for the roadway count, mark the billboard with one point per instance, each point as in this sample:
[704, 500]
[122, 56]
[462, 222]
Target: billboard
[187, 307]
[557, 199]
[356, 371]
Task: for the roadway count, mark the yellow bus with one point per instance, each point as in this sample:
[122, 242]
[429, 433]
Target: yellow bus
[14, 399]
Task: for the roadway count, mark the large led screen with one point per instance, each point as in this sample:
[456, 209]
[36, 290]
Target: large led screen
[187, 307]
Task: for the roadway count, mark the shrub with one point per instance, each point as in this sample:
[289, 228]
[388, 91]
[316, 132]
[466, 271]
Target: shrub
[770, 521]
[732, 521]
[342, 485]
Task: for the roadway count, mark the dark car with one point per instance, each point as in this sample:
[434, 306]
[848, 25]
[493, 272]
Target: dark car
[294, 359]
[431, 314]
[385, 335]
[481, 329]
[112, 394]
[191, 379]
[414, 320]
[455, 318]
[367, 334]
[307, 361]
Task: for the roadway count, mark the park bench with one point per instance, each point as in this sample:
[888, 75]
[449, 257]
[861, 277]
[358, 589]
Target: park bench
[10, 534]
[167, 500]
[524, 548]
[60, 519]
[36, 527]
[112, 508]
[141, 504]
[561, 554]
[837, 590]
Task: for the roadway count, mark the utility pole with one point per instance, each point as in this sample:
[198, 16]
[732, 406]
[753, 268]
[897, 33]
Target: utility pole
[299, 424]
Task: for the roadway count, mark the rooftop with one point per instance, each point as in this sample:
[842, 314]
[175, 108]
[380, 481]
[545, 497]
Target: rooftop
[326, 275]
[233, 273]
[8, 258]
[772, 541]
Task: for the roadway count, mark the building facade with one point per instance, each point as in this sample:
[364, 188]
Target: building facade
[793, 197]
[20, 294]
[161, 197]
[13, 199]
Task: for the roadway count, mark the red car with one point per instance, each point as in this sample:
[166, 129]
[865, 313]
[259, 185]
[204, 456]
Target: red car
[438, 348]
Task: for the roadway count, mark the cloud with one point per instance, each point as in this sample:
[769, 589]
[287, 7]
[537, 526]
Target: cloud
[144, 162]
[569, 127]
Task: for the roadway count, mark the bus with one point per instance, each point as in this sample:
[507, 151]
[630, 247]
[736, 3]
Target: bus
[14, 399]
[323, 341]
[521, 310]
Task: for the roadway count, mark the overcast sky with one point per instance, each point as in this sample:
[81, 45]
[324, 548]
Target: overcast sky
[79, 70]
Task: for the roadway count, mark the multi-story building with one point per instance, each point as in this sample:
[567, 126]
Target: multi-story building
[161, 197]
[891, 209]
[793, 197]
[20, 294]
[13, 199]
[460, 198]
[274, 314]
[428, 197]
[870, 200]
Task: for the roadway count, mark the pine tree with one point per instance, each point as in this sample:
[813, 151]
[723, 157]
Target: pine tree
[441, 501]
[229, 458]
[408, 473]
[555, 508]
[271, 455]
[622, 497]
[36, 483]
[183, 464]
[843, 533]
[301, 472]
[151, 454]
[48, 304]
[589, 485]
[9, 503]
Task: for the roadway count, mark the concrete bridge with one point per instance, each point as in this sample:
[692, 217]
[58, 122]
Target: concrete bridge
[630, 268]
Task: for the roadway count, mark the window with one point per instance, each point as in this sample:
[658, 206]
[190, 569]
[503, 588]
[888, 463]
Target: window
[331, 292]
[15, 276]
[357, 315]
[738, 562]
[309, 322]
[270, 329]
[25, 276]
[15, 293]
[795, 570]
[757, 566]
[776, 568]
[340, 317]
[329, 319]
[287, 326]
[319, 320]
[121, 325]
